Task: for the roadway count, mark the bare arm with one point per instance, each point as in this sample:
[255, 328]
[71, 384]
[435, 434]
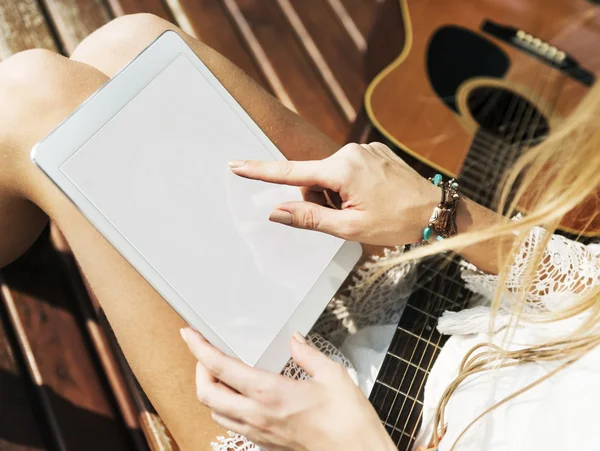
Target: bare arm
[383, 201]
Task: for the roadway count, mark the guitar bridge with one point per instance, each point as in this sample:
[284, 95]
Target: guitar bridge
[539, 49]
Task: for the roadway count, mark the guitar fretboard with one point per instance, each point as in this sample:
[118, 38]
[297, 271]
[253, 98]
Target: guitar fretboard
[397, 395]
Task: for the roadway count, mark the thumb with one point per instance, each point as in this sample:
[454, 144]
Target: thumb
[310, 216]
[308, 358]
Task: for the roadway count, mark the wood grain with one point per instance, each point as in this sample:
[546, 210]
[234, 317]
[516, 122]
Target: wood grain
[19, 429]
[76, 379]
[334, 53]
[294, 68]
[363, 13]
[209, 21]
[22, 27]
[99, 336]
[68, 385]
[75, 19]
[156, 7]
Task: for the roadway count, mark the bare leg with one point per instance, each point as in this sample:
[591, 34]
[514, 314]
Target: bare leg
[39, 90]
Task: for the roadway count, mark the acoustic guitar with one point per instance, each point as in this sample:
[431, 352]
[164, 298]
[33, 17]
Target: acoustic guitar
[474, 84]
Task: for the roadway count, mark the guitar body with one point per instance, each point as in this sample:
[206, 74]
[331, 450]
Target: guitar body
[425, 101]
[472, 84]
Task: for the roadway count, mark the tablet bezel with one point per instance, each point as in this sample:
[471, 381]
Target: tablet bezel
[69, 136]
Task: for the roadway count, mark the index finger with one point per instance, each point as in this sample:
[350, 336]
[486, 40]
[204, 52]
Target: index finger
[295, 173]
[230, 371]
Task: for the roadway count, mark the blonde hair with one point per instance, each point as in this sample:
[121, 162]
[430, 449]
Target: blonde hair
[554, 178]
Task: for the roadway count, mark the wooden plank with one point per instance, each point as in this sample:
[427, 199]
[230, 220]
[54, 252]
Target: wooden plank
[97, 335]
[258, 54]
[74, 399]
[363, 13]
[130, 396]
[332, 50]
[350, 25]
[156, 7]
[158, 436]
[19, 430]
[296, 71]
[22, 27]
[75, 19]
[209, 21]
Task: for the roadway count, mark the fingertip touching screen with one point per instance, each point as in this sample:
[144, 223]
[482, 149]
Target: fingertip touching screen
[158, 171]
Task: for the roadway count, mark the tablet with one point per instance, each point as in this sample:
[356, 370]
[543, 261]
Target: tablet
[145, 159]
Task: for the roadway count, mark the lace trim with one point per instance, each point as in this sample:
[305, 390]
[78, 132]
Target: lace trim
[362, 304]
[566, 268]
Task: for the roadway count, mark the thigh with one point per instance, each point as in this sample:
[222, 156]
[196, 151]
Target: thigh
[39, 90]
[146, 327]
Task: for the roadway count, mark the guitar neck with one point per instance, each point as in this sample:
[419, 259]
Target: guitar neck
[397, 395]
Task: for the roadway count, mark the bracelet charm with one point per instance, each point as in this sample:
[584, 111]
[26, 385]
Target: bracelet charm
[442, 221]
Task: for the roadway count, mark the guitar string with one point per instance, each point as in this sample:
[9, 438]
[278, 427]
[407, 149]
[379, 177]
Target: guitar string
[524, 124]
[461, 292]
[436, 304]
[515, 103]
[429, 304]
[446, 290]
[524, 108]
[405, 410]
[491, 100]
[394, 400]
[419, 336]
[519, 143]
[386, 393]
[518, 139]
[386, 370]
[549, 112]
[433, 271]
[430, 294]
[480, 194]
[405, 370]
[516, 108]
[483, 136]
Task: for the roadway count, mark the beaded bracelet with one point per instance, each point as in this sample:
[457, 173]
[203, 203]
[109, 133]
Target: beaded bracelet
[443, 218]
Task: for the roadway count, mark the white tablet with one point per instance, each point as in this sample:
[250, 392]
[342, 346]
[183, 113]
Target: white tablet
[145, 159]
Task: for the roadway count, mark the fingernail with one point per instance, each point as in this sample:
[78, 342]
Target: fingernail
[233, 164]
[282, 217]
[300, 338]
[184, 333]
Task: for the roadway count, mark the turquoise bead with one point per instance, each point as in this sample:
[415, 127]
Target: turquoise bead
[454, 185]
[427, 233]
[437, 179]
[440, 238]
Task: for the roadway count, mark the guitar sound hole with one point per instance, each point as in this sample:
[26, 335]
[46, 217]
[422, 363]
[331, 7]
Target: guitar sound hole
[507, 116]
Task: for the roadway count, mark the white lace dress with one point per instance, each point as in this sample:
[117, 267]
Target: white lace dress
[559, 414]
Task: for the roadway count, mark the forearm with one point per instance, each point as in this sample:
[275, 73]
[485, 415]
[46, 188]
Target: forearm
[472, 217]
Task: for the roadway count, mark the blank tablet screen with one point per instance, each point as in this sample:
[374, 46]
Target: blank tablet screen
[158, 172]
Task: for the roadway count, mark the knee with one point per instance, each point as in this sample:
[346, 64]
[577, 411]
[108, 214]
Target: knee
[113, 45]
[25, 68]
[40, 88]
[28, 80]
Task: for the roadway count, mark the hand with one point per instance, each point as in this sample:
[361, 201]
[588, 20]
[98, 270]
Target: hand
[326, 413]
[383, 200]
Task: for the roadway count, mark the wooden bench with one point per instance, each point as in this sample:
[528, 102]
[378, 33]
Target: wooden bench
[63, 382]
